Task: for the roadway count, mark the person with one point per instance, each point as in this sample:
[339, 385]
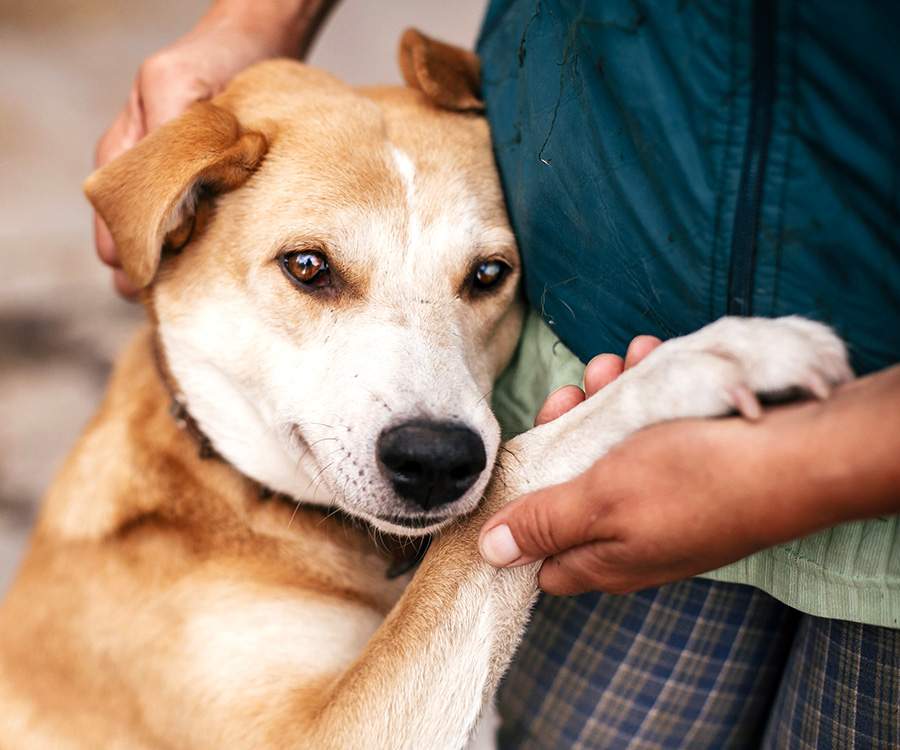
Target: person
[708, 583]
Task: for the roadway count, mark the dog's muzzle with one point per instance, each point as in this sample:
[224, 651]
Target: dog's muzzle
[431, 463]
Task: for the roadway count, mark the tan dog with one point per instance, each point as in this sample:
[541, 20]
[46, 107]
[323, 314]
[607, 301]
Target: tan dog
[331, 284]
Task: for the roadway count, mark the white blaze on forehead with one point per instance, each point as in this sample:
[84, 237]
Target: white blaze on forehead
[406, 168]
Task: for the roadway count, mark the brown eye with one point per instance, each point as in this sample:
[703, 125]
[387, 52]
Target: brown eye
[489, 274]
[309, 267]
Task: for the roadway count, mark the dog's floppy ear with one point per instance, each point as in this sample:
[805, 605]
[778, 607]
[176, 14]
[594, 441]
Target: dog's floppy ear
[450, 77]
[147, 195]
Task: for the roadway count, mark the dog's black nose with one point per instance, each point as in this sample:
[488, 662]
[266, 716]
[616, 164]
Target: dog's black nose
[431, 463]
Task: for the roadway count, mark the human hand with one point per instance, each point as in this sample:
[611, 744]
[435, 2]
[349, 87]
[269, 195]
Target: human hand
[656, 509]
[664, 505]
[230, 37]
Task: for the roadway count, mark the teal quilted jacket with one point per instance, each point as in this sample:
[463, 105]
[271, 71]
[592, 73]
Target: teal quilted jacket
[669, 162]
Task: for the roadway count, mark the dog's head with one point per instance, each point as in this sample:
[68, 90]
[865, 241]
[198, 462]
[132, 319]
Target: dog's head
[334, 281]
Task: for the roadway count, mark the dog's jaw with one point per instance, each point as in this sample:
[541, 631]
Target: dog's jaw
[240, 432]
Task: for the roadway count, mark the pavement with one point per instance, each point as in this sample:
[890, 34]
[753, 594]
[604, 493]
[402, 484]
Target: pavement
[67, 69]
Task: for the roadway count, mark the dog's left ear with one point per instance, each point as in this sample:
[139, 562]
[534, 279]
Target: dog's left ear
[148, 195]
[449, 76]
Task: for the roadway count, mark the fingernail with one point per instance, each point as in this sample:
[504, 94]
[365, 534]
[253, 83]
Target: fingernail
[817, 386]
[498, 547]
[747, 403]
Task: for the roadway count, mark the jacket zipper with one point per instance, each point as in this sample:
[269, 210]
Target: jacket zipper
[749, 199]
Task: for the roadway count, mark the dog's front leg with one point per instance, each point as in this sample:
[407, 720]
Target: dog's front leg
[424, 678]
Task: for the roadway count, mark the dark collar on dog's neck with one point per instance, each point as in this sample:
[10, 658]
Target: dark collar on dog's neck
[406, 553]
[178, 408]
[186, 422]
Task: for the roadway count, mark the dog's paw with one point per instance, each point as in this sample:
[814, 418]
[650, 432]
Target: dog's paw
[733, 363]
[723, 368]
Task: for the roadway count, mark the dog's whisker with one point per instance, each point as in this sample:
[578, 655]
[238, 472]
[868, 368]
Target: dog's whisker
[508, 452]
[317, 479]
[323, 440]
[486, 396]
[297, 505]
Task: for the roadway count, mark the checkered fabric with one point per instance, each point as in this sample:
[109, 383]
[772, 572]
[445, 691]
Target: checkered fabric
[699, 665]
[841, 689]
[690, 665]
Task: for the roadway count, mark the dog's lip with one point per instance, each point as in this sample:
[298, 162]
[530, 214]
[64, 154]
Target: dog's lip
[415, 522]
[409, 526]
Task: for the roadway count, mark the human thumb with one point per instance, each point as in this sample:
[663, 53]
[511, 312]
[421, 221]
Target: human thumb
[535, 526]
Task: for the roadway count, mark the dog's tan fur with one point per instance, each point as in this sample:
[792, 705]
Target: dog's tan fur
[167, 601]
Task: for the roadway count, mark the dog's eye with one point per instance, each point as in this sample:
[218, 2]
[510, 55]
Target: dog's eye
[489, 274]
[309, 267]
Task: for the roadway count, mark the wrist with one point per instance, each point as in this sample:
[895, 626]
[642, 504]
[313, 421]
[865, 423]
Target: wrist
[819, 464]
[857, 441]
[761, 482]
[796, 496]
[285, 28]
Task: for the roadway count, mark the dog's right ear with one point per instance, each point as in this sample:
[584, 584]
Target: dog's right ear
[147, 196]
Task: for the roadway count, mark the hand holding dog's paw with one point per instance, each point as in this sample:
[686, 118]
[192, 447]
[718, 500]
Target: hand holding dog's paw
[672, 501]
[685, 497]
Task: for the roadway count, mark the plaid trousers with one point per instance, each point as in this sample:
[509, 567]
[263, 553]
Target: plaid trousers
[699, 665]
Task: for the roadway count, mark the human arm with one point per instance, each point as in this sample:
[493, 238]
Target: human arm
[231, 36]
[686, 497]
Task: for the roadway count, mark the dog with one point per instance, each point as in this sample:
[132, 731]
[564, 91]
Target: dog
[331, 285]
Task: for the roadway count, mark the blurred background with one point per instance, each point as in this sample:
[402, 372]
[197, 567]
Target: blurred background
[67, 66]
